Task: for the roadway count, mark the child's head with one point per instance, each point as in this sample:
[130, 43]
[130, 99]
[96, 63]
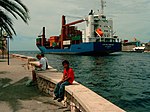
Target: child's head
[38, 56]
[65, 63]
[42, 55]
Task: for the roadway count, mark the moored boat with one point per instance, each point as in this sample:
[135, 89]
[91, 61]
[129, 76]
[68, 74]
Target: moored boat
[139, 49]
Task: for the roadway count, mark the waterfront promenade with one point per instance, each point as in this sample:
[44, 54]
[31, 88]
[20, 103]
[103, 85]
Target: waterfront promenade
[15, 96]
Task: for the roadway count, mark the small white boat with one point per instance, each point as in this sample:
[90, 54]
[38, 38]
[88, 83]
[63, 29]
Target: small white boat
[139, 49]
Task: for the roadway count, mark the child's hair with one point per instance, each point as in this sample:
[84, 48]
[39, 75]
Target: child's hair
[38, 55]
[65, 61]
[42, 55]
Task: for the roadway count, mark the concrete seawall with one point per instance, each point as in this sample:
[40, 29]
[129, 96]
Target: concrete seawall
[78, 98]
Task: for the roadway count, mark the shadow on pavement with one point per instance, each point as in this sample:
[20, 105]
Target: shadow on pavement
[12, 93]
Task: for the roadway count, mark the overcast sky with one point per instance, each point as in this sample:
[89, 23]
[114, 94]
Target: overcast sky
[131, 18]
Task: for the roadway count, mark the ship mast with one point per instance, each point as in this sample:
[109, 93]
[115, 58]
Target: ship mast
[102, 6]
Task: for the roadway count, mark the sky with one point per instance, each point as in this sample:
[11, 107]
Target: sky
[130, 19]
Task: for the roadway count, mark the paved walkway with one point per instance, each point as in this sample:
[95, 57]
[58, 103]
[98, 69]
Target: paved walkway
[15, 96]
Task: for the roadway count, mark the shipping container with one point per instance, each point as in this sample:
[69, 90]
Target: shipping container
[38, 41]
[53, 39]
[76, 38]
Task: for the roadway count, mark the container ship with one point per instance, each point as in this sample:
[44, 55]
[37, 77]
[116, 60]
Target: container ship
[98, 37]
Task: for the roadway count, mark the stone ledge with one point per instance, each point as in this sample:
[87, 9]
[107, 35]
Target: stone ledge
[78, 95]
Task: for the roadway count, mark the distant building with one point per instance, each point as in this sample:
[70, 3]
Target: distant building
[128, 46]
[147, 47]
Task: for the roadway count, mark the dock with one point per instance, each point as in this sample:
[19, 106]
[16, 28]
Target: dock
[78, 98]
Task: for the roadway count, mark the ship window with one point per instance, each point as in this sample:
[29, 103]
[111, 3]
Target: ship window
[105, 30]
[106, 26]
[118, 40]
[96, 20]
[107, 40]
[96, 26]
[102, 39]
[103, 16]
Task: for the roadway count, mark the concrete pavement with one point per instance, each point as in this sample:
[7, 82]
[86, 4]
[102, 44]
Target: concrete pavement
[15, 96]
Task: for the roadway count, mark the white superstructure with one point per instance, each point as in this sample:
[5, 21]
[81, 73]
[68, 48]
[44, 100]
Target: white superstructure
[99, 22]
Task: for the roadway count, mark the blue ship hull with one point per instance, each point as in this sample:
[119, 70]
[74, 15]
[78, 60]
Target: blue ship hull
[91, 48]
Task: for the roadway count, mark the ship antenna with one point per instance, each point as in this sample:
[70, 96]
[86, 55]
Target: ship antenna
[102, 6]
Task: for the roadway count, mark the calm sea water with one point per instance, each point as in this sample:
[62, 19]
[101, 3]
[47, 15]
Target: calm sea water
[122, 78]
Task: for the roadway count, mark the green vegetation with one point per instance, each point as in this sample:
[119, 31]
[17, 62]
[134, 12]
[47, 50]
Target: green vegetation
[15, 9]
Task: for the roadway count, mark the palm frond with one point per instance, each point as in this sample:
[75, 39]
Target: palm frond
[6, 23]
[15, 8]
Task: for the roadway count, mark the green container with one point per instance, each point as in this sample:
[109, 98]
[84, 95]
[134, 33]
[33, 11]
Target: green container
[38, 39]
[54, 44]
[76, 38]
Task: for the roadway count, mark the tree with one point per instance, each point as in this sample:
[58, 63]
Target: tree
[15, 8]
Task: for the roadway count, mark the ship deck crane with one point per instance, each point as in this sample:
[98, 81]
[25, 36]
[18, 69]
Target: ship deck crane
[64, 25]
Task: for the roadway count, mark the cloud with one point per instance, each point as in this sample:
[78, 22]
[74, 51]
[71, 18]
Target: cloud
[131, 17]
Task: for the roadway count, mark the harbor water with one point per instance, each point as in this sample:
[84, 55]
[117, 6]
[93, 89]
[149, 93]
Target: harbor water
[122, 78]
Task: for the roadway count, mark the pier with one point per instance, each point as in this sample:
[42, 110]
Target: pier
[78, 98]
